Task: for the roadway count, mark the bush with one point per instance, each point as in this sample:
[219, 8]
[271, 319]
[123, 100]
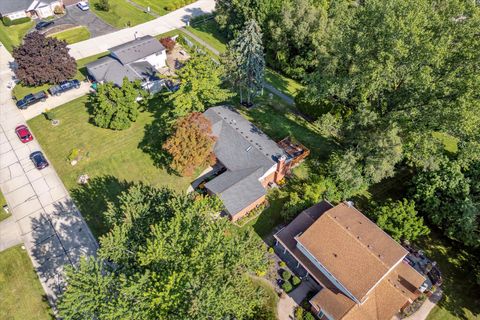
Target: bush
[299, 313]
[271, 250]
[312, 110]
[168, 43]
[9, 22]
[286, 275]
[308, 316]
[287, 286]
[59, 10]
[282, 264]
[296, 281]
[49, 115]
[73, 154]
[103, 5]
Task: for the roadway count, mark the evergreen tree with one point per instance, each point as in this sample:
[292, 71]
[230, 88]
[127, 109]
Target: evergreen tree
[201, 86]
[116, 108]
[245, 61]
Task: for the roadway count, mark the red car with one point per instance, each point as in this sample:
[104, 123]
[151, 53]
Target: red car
[23, 133]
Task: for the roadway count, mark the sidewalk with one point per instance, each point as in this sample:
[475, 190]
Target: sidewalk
[51, 227]
[168, 22]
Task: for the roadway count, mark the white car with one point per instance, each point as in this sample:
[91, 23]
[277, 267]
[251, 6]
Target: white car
[83, 6]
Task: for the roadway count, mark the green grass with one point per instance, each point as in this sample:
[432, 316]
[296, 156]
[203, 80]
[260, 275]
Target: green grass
[73, 35]
[450, 143]
[111, 158]
[164, 6]
[3, 214]
[270, 307]
[209, 32]
[13, 35]
[20, 90]
[460, 293]
[121, 14]
[21, 293]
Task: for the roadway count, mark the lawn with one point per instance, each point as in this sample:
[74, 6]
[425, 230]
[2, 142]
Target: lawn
[73, 35]
[270, 307]
[3, 214]
[111, 158]
[20, 90]
[164, 6]
[209, 32]
[121, 14]
[460, 294]
[21, 294]
[13, 35]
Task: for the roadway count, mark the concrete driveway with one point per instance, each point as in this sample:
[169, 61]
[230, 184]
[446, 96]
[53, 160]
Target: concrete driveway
[77, 17]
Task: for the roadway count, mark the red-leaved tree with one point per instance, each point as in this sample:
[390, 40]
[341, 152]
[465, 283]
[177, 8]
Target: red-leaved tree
[191, 144]
[168, 43]
[43, 60]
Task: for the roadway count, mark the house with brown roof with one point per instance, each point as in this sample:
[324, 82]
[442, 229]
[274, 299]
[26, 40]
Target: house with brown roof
[360, 268]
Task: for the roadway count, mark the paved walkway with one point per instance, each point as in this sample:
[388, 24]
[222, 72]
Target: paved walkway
[173, 20]
[9, 234]
[427, 306]
[51, 227]
[287, 304]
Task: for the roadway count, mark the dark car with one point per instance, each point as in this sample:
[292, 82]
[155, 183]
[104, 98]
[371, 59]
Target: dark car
[30, 99]
[64, 86]
[39, 160]
[23, 133]
[43, 24]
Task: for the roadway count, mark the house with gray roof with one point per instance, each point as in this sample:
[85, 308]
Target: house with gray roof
[252, 161]
[16, 9]
[138, 59]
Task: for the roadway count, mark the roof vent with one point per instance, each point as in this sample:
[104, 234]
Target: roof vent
[380, 256]
[335, 217]
[350, 204]
[358, 237]
[249, 148]
[369, 246]
[347, 227]
[335, 255]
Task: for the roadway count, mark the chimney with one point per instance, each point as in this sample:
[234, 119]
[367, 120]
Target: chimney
[280, 172]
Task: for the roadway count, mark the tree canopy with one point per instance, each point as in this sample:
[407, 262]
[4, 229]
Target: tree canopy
[191, 144]
[117, 107]
[167, 257]
[43, 60]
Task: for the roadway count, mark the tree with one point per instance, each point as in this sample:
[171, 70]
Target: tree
[400, 220]
[168, 43]
[200, 87]
[191, 144]
[167, 257]
[103, 5]
[43, 60]
[117, 107]
[245, 61]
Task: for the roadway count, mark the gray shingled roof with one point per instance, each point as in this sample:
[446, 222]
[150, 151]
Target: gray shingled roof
[10, 6]
[246, 152]
[137, 49]
[108, 69]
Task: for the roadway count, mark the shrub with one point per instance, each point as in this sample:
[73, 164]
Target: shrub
[103, 5]
[59, 10]
[308, 316]
[271, 250]
[168, 43]
[296, 281]
[49, 115]
[286, 275]
[282, 264]
[9, 22]
[287, 286]
[298, 313]
[73, 154]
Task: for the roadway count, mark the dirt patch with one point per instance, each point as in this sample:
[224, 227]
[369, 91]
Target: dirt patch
[176, 57]
[60, 28]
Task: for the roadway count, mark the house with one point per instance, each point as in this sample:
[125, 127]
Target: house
[359, 268]
[138, 59]
[251, 160]
[16, 9]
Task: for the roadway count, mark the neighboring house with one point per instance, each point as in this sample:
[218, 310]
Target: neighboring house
[251, 159]
[137, 60]
[16, 9]
[360, 268]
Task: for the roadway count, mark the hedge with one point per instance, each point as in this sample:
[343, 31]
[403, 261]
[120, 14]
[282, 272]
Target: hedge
[8, 22]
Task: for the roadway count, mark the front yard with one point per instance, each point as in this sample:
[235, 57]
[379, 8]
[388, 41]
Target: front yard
[13, 35]
[3, 215]
[121, 14]
[73, 35]
[111, 158]
[21, 294]
[164, 6]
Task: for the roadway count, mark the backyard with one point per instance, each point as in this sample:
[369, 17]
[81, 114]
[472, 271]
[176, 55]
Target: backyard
[12, 36]
[20, 291]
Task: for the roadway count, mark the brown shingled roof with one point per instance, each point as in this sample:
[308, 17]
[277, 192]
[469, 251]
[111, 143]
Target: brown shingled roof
[352, 248]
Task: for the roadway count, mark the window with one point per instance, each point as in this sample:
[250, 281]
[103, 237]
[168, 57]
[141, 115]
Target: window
[320, 314]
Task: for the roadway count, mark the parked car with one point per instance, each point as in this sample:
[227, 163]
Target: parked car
[30, 99]
[64, 86]
[23, 133]
[43, 24]
[82, 5]
[39, 160]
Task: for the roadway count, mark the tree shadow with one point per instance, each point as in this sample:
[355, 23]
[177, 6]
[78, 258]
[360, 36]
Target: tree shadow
[92, 199]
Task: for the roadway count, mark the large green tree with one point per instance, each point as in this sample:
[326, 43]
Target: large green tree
[116, 107]
[167, 257]
[200, 86]
[245, 61]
